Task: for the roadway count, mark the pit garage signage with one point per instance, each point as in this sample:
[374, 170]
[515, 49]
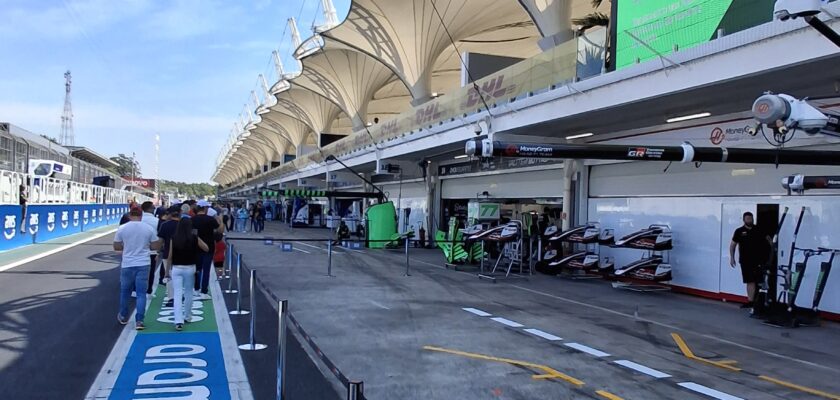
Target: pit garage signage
[483, 211]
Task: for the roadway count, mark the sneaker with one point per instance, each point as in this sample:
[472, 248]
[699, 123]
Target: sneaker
[133, 294]
[188, 319]
[204, 297]
[179, 327]
[170, 303]
[140, 326]
[121, 320]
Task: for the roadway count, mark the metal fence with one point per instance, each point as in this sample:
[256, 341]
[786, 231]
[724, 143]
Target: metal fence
[233, 273]
[42, 190]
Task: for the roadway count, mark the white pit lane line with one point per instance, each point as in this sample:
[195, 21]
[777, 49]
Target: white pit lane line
[504, 321]
[643, 369]
[476, 312]
[587, 349]
[708, 391]
[544, 335]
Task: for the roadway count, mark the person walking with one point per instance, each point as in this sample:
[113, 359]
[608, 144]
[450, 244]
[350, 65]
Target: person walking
[149, 219]
[205, 226]
[259, 212]
[252, 213]
[165, 233]
[226, 216]
[185, 248]
[753, 247]
[135, 240]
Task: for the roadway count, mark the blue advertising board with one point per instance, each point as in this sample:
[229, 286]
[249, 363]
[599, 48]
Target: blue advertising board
[44, 222]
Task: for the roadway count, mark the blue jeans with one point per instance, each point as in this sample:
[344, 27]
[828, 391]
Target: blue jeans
[133, 278]
[202, 271]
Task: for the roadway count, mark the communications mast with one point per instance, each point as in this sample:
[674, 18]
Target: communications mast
[67, 137]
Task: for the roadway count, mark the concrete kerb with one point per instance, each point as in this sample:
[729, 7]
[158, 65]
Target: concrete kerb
[341, 384]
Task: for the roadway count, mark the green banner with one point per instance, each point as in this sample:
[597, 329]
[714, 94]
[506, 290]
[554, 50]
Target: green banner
[649, 28]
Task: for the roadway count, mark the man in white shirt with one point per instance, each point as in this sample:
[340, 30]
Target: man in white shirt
[150, 219]
[135, 240]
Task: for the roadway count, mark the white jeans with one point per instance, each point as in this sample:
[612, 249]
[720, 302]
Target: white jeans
[183, 281]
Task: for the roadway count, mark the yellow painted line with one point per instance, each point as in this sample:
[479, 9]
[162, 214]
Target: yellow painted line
[549, 373]
[726, 364]
[608, 395]
[800, 388]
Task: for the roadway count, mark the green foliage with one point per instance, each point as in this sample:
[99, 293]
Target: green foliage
[124, 168]
[197, 190]
[51, 139]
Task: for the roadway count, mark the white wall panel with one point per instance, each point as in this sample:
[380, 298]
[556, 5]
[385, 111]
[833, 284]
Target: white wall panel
[703, 228]
[532, 184]
[648, 179]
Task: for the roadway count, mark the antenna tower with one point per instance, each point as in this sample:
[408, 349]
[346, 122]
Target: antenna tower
[67, 137]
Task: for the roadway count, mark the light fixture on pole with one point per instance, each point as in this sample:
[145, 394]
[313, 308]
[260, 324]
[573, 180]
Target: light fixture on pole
[579, 136]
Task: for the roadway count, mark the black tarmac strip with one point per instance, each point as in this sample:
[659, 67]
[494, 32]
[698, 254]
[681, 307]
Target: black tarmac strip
[58, 322]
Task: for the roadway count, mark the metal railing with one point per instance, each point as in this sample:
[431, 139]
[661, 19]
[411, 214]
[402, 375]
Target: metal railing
[43, 190]
[355, 389]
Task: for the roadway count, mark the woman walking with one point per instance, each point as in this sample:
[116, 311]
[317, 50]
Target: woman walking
[182, 256]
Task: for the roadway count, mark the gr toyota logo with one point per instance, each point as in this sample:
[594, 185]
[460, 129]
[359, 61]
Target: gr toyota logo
[9, 227]
[65, 219]
[717, 136]
[76, 218]
[50, 222]
[33, 223]
[636, 152]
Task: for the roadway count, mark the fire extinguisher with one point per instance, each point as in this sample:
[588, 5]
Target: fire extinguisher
[422, 237]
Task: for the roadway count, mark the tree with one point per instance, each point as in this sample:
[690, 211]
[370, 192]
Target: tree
[124, 167]
[592, 20]
[51, 139]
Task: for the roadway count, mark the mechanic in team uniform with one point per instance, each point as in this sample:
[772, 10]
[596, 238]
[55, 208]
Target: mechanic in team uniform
[753, 246]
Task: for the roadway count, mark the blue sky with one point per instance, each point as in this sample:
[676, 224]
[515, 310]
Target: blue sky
[181, 68]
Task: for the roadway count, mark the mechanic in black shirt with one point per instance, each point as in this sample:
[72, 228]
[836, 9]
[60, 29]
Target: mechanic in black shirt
[753, 250]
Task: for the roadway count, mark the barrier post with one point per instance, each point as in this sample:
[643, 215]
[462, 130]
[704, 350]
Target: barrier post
[329, 257]
[252, 341]
[238, 310]
[226, 270]
[230, 288]
[282, 312]
[355, 390]
[407, 267]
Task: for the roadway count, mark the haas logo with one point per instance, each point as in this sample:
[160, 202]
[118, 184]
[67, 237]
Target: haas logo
[717, 136]
[9, 226]
[76, 218]
[50, 222]
[65, 219]
[33, 223]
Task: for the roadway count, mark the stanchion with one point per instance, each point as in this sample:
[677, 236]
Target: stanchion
[226, 270]
[329, 258]
[230, 288]
[238, 310]
[282, 311]
[252, 341]
[407, 267]
[355, 390]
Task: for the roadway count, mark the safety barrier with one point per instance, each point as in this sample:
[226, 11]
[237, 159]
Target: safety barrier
[43, 190]
[355, 389]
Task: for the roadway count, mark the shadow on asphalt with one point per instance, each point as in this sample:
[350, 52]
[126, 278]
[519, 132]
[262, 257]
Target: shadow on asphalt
[304, 380]
[46, 351]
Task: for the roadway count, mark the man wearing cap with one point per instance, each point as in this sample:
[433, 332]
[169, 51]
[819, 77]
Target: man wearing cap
[135, 240]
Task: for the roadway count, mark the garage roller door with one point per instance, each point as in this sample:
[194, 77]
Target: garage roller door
[532, 184]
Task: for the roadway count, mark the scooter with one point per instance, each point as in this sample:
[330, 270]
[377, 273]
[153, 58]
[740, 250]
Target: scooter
[655, 237]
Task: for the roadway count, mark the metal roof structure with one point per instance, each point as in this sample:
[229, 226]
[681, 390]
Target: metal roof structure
[383, 59]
